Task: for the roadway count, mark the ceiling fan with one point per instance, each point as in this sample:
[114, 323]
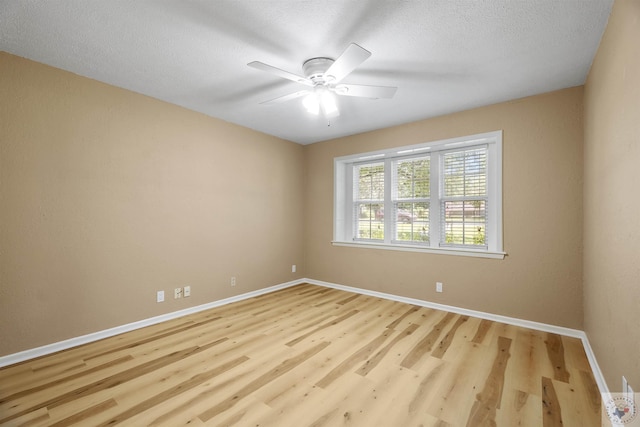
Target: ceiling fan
[324, 76]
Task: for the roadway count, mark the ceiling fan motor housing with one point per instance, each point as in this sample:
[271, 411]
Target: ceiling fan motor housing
[314, 69]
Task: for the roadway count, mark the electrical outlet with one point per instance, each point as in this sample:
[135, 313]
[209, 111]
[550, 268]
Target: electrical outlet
[293, 268]
[177, 293]
[186, 291]
[438, 286]
[160, 296]
[233, 281]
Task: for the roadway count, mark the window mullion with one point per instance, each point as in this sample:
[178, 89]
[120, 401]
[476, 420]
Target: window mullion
[389, 192]
[348, 208]
[435, 206]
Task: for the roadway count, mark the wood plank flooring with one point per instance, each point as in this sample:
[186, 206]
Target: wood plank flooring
[310, 356]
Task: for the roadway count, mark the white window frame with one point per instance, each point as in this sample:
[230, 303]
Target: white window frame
[343, 229]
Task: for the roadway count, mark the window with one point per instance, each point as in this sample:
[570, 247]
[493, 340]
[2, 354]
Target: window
[443, 196]
[369, 201]
[464, 197]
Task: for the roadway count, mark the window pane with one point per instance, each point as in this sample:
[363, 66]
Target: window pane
[370, 182]
[412, 222]
[370, 221]
[412, 178]
[465, 222]
[465, 173]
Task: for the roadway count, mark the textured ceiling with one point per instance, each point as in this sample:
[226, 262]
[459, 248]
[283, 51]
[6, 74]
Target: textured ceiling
[443, 55]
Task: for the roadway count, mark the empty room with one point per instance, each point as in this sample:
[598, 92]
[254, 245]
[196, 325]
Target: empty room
[328, 213]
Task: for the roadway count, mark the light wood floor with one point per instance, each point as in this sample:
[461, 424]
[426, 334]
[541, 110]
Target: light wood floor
[310, 356]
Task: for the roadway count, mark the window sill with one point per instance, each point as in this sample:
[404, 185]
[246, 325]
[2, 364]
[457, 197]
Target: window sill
[412, 248]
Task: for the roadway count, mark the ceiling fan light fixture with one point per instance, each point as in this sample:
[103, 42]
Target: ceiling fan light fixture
[311, 104]
[329, 104]
[321, 99]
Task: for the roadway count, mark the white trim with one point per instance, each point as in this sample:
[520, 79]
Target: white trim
[424, 249]
[95, 336]
[84, 339]
[597, 373]
[458, 310]
[544, 327]
[343, 213]
[394, 152]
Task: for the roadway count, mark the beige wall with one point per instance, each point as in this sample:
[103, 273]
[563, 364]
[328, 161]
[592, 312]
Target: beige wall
[612, 198]
[107, 196]
[540, 279]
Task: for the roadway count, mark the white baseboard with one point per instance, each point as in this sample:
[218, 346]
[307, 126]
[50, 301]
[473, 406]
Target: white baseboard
[95, 336]
[544, 327]
[595, 368]
[73, 342]
[466, 312]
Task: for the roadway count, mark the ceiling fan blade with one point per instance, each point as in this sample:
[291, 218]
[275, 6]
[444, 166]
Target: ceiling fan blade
[366, 91]
[280, 73]
[286, 97]
[353, 56]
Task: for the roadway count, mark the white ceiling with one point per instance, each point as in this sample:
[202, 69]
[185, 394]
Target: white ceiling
[443, 55]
